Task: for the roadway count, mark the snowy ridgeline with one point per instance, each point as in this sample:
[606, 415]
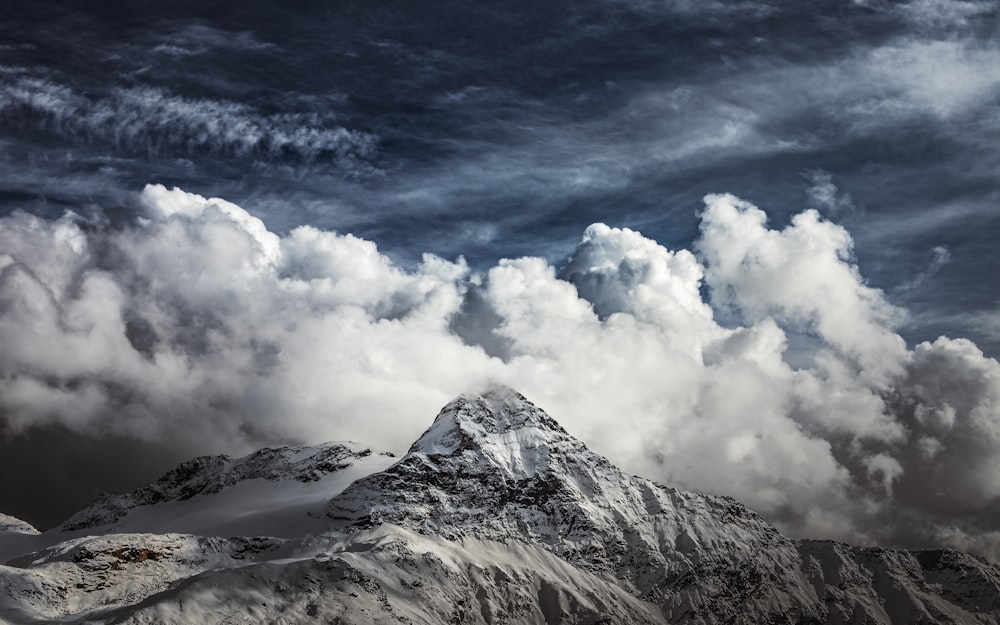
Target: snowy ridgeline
[495, 515]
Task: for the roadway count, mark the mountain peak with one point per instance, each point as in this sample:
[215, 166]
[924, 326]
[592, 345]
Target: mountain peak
[497, 416]
[493, 466]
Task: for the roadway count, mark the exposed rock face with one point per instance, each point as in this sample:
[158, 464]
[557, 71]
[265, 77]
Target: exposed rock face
[495, 515]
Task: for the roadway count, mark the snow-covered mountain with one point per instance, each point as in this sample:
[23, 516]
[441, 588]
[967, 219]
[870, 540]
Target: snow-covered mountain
[495, 515]
[275, 492]
[14, 525]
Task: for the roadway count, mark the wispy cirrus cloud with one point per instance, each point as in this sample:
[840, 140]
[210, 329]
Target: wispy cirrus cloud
[198, 39]
[153, 122]
[944, 14]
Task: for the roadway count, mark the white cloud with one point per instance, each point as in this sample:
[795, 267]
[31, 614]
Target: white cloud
[943, 77]
[196, 39]
[824, 195]
[940, 256]
[943, 13]
[199, 326]
[620, 271]
[151, 120]
[801, 276]
[987, 322]
[954, 393]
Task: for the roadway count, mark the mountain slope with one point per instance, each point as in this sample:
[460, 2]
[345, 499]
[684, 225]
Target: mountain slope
[14, 525]
[277, 491]
[495, 515]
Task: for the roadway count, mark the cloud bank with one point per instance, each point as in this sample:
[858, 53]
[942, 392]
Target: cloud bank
[198, 327]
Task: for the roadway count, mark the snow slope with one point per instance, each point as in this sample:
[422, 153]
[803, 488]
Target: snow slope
[14, 525]
[274, 492]
[280, 492]
[495, 515]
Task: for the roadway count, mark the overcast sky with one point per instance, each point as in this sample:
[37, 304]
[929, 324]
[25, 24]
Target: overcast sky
[746, 248]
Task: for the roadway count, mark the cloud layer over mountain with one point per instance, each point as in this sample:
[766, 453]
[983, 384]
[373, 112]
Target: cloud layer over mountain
[757, 364]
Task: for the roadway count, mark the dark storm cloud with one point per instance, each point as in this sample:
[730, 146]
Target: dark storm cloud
[86, 465]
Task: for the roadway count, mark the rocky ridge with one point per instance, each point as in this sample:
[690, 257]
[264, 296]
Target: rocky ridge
[209, 475]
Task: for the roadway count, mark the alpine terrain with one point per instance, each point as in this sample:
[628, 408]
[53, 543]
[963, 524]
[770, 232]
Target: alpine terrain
[495, 516]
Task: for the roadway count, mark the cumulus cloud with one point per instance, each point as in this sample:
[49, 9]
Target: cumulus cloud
[950, 400]
[800, 275]
[198, 326]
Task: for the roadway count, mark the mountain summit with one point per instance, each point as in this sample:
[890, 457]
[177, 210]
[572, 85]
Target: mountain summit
[495, 515]
[500, 430]
[500, 418]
